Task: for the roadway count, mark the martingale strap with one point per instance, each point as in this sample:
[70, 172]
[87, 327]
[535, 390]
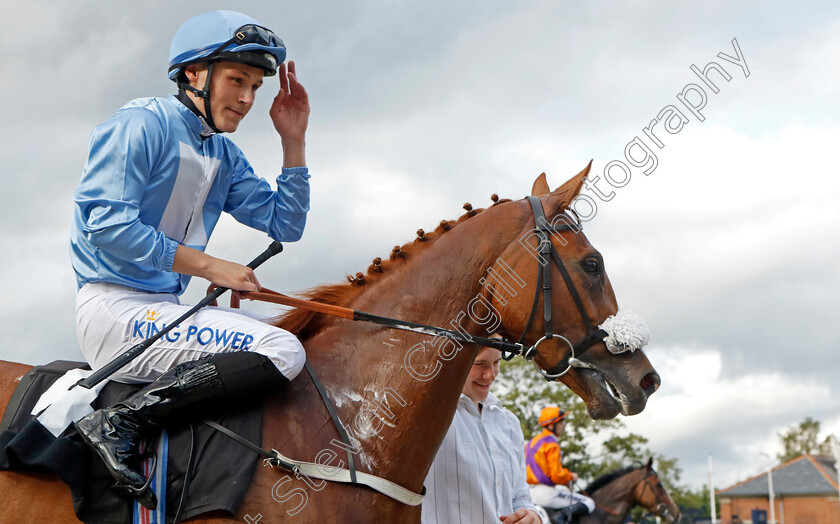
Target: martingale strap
[339, 427]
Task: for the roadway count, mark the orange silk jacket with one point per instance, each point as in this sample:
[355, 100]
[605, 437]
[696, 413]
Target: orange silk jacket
[545, 454]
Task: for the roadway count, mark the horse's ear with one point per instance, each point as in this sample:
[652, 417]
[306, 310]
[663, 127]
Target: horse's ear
[572, 187]
[649, 464]
[540, 187]
[563, 195]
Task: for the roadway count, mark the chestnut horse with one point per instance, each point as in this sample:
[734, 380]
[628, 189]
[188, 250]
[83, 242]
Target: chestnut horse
[395, 391]
[616, 493]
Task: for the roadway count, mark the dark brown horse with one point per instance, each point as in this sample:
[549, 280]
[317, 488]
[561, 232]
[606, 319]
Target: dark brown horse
[617, 493]
[397, 391]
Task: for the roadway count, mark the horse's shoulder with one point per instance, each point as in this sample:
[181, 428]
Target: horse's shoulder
[10, 375]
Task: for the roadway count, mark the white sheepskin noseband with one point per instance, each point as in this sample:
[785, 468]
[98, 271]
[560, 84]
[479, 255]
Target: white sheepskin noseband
[626, 332]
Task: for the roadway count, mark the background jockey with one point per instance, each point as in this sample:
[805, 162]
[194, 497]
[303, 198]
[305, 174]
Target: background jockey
[545, 471]
[159, 174]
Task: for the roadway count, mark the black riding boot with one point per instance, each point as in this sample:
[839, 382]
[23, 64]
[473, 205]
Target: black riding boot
[567, 515]
[578, 508]
[115, 432]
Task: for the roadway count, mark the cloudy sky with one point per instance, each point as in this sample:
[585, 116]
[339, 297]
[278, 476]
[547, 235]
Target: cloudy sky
[728, 248]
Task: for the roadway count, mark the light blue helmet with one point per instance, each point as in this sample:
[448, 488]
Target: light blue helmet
[225, 35]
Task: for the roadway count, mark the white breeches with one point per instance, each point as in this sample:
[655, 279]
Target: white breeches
[556, 497]
[111, 318]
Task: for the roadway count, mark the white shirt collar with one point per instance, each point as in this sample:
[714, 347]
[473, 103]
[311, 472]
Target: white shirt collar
[491, 402]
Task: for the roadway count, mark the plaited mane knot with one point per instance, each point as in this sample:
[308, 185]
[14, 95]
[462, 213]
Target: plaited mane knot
[469, 208]
[359, 279]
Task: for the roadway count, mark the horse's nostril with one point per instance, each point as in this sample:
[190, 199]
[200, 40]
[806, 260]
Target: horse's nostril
[650, 383]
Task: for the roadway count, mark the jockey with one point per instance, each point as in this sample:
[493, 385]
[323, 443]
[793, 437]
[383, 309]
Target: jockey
[545, 471]
[158, 175]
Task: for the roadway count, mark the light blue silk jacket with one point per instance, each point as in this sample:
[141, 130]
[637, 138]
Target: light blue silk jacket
[152, 182]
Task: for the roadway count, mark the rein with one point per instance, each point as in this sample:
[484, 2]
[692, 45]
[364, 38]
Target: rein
[351, 314]
[509, 349]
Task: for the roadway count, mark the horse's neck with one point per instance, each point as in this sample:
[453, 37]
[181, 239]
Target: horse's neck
[433, 287]
[615, 500]
[406, 384]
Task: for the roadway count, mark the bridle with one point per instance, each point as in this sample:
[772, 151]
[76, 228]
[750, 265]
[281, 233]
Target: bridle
[547, 253]
[661, 508]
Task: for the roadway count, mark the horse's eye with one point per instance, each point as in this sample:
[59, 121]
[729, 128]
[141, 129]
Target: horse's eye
[591, 265]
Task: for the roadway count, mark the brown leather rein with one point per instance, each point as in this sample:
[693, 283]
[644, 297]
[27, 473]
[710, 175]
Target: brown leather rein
[547, 253]
[267, 295]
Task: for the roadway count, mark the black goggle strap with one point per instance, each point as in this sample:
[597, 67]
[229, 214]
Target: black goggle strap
[250, 34]
[256, 34]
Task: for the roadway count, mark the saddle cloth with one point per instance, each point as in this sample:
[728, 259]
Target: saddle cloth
[221, 469]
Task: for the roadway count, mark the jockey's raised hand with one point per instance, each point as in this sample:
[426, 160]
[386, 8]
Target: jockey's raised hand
[290, 114]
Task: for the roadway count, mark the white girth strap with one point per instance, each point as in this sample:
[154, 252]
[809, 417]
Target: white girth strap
[319, 471]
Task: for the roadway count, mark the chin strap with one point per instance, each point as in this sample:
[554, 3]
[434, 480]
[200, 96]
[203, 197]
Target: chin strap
[208, 127]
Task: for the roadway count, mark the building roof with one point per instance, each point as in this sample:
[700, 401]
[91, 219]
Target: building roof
[804, 475]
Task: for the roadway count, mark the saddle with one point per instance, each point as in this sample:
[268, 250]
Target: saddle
[194, 453]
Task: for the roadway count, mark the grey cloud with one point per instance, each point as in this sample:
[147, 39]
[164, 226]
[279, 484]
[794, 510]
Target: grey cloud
[455, 101]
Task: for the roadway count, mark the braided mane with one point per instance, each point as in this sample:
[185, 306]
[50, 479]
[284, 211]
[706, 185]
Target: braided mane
[304, 323]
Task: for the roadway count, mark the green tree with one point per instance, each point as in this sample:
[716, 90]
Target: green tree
[523, 391]
[803, 439]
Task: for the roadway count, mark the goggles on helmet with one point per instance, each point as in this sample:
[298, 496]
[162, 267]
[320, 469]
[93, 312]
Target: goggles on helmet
[251, 34]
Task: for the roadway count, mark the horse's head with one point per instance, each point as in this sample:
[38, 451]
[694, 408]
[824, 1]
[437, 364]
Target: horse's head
[581, 338]
[651, 495]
